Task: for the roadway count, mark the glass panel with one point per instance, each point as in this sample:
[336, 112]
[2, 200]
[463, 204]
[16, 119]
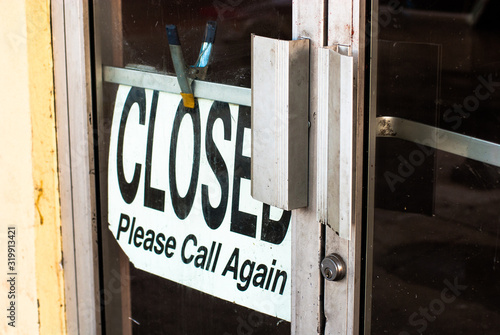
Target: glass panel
[151, 133]
[436, 265]
[134, 32]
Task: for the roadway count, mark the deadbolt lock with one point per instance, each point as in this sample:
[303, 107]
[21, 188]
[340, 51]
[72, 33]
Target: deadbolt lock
[333, 267]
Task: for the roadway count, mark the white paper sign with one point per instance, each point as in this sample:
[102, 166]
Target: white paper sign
[180, 204]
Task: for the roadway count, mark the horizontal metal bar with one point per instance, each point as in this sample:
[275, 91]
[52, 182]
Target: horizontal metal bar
[457, 144]
[162, 82]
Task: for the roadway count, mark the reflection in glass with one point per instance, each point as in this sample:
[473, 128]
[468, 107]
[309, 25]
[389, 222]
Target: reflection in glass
[132, 34]
[144, 40]
[436, 265]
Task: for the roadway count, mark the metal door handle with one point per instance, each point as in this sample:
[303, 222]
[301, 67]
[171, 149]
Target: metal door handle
[437, 138]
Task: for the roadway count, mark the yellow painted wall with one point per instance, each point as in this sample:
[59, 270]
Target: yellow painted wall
[29, 194]
[16, 176]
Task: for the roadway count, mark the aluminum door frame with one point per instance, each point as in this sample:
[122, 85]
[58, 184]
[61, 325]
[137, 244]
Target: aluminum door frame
[326, 24]
[73, 97]
[337, 308]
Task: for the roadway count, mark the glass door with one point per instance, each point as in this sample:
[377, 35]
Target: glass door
[434, 214]
[186, 249]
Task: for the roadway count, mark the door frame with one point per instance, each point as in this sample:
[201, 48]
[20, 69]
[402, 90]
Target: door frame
[73, 96]
[341, 24]
[317, 306]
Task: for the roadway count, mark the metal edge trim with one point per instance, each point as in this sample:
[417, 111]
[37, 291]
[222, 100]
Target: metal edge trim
[166, 83]
[437, 138]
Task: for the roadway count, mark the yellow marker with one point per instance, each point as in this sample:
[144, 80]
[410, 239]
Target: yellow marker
[188, 100]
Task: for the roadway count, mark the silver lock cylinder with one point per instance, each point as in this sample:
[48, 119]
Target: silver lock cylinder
[333, 267]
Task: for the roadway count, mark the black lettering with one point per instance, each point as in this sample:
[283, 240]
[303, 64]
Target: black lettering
[185, 259]
[121, 228]
[210, 255]
[215, 215]
[149, 240]
[274, 231]
[160, 238]
[201, 258]
[260, 277]
[216, 257]
[131, 231]
[182, 205]
[129, 190]
[170, 245]
[153, 198]
[233, 268]
[279, 274]
[245, 279]
[241, 222]
[271, 271]
[139, 234]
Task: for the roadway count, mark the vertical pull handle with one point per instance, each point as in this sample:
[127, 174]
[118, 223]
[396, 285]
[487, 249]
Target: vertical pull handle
[280, 105]
[335, 140]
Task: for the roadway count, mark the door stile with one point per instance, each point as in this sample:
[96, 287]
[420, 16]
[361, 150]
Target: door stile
[346, 30]
[308, 21]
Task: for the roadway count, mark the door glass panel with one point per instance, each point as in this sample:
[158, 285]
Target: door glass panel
[192, 170]
[133, 33]
[436, 233]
